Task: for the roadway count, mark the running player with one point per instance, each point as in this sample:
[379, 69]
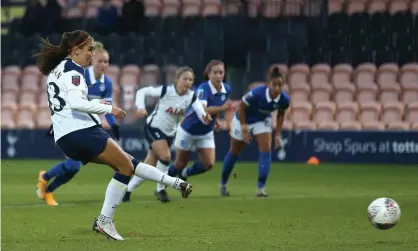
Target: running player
[99, 87]
[254, 117]
[192, 133]
[76, 124]
[162, 124]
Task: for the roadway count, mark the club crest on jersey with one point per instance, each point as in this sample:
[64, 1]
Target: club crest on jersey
[102, 87]
[75, 80]
[223, 97]
[200, 93]
[174, 111]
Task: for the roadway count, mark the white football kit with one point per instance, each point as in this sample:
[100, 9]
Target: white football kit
[170, 108]
[67, 97]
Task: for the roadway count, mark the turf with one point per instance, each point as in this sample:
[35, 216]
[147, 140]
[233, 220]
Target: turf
[309, 208]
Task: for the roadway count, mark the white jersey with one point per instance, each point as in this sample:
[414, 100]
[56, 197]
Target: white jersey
[170, 108]
[68, 102]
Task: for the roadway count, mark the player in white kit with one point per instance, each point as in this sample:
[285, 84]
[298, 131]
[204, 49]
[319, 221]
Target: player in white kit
[76, 123]
[162, 124]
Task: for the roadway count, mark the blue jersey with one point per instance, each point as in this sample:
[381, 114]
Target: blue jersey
[100, 89]
[260, 104]
[208, 95]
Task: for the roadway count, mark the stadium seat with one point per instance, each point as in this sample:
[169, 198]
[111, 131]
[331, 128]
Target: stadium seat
[293, 8]
[305, 125]
[414, 7]
[287, 125]
[170, 8]
[398, 126]
[152, 8]
[43, 118]
[389, 91]
[376, 6]
[320, 73]
[43, 101]
[74, 12]
[411, 115]
[25, 120]
[414, 126]
[369, 111]
[211, 9]
[150, 75]
[409, 92]
[271, 9]
[346, 111]
[298, 74]
[328, 125]
[409, 74]
[335, 6]
[392, 112]
[397, 6]
[387, 73]
[374, 125]
[365, 73]
[191, 9]
[30, 83]
[324, 111]
[7, 121]
[366, 92]
[321, 92]
[355, 7]
[301, 111]
[91, 12]
[344, 92]
[350, 126]
[341, 73]
[300, 92]
[9, 101]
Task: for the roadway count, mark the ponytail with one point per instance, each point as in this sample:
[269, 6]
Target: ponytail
[51, 55]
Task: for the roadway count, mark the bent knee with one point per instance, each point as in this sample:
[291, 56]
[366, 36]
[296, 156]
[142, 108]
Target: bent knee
[165, 158]
[208, 165]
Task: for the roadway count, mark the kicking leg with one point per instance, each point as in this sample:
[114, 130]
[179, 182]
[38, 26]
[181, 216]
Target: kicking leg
[135, 181]
[125, 166]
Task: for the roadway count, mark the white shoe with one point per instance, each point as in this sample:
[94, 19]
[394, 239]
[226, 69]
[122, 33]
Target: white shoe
[108, 229]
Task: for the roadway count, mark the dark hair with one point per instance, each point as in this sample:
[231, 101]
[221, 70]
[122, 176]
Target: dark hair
[51, 55]
[209, 67]
[274, 72]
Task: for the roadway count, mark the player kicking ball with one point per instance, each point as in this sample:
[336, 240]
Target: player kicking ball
[253, 118]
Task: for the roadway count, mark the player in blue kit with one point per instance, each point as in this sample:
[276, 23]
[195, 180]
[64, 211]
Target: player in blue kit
[99, 87]
[193, 133]
[254, 117]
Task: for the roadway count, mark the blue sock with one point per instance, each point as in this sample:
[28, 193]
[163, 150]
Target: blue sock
[57, 170]
[172, 171]
[264, 162]
[66, 172]
[195, 169]
[227, 167]
[135, 162]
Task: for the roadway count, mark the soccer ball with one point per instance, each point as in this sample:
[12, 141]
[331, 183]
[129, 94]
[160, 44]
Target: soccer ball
[384, 213]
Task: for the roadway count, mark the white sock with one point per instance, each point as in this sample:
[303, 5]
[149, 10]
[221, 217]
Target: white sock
[163, 168]
[134, 183]
[114, 195]
[148, 172]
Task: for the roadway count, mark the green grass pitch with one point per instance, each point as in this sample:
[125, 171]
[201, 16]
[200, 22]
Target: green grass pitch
[310, 208]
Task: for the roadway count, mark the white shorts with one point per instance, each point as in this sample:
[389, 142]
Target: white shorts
[188, 142]
[256, 128]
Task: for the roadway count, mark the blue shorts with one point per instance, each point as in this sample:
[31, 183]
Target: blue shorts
[153, 134]
[85, 144]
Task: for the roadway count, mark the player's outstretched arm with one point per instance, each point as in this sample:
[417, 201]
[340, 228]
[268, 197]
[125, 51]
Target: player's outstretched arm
[215, 110]
[200, 112]
[144, 92]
